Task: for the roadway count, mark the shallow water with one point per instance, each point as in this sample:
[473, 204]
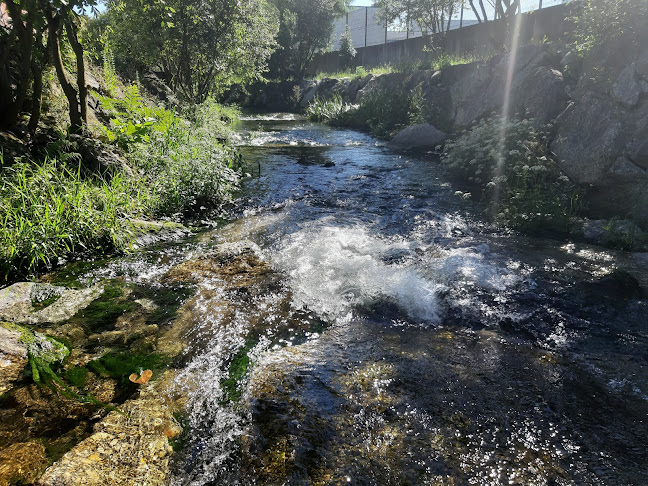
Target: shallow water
[402, 339]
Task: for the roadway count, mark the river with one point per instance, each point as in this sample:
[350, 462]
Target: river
[403, 340]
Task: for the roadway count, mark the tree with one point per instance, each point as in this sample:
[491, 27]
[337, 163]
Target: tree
[347, 51]
[200, 46]
[431, 15]
[305, 27]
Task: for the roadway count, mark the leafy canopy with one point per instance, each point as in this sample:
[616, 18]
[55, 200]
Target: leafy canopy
[200, 46]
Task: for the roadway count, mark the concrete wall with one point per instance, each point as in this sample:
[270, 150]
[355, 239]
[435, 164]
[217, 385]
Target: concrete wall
[551, 23]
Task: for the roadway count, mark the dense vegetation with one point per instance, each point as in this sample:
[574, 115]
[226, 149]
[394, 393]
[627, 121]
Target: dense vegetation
[305, 27]
[508, 164]
[198, 47]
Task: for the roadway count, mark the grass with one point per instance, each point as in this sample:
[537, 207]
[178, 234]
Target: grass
[382, 112]
[430, 60]
[357, 73]
[188, 161]
[50, 211]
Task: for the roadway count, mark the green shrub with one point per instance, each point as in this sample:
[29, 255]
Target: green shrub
[188, 162]
[382, 111]
[330, 110]
[508, 163]
[603, 22]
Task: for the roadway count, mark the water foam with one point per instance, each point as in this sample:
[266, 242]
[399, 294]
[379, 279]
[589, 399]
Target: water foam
[334, 270]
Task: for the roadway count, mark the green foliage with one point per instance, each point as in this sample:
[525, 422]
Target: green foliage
[49, 211]
[508, 162]
[200, 46]
[187, 164]
[431, 15]
[625, 235]
[358, 73]
[605, 22]
[332, 110]
[305, 27]
[382, 111]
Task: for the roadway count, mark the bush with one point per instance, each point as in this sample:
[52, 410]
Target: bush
[189, 164]
[516, 176]
[347, 51]
[382, 111]
[330, 111]
[604, 22]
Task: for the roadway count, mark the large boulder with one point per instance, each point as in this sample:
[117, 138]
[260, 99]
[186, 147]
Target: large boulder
[13, 358]
[539, 92]
[626, 90]
[589, 139]
[23, 302]
[537, 89]
[418, 137]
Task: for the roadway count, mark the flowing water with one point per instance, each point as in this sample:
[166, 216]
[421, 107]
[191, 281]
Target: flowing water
[400, 339]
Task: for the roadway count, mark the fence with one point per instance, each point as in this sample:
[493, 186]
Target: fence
[479, 38]
[368, 30]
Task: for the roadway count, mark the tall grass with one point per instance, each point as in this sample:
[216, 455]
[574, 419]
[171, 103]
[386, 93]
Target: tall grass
[332, 110]
[49, 211]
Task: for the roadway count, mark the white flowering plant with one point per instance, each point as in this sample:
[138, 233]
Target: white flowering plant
[507, 162]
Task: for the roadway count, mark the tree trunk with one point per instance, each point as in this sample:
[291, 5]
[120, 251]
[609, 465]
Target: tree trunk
[53, 34]
[71, 30]
[450, 17]
[474, 9]
[25, 38]
[483, 9]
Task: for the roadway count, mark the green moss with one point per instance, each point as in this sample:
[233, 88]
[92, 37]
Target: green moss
[238, 368]
[46, 303]
[121, 365]
[178, 443]
[103, 313]
[167, 299]
[77, 376]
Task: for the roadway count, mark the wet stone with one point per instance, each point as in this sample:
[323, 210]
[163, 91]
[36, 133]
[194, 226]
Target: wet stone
[19, 302]
[129, 446]
[13, 358]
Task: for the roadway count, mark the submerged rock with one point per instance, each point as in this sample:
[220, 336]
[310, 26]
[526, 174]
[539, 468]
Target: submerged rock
[22, 463]
[22, 302]
[227, 260]
[151, 232]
